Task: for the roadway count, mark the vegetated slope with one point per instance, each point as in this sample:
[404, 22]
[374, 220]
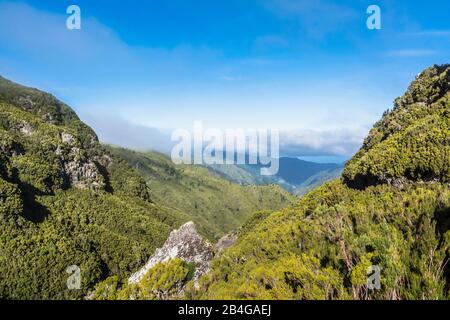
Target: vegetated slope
[64, 201]
[241, 173]
[410, 142]
[391, 209]
[216, 205]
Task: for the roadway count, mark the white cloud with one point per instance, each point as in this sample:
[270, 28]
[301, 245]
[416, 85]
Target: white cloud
[341, 142]
[316, 143]
[115, 130]
[27, 29]
[95, 51]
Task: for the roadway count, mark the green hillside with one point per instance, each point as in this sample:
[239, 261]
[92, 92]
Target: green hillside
[217, 206]
[411, 141]
[66, 200]
[391, 209]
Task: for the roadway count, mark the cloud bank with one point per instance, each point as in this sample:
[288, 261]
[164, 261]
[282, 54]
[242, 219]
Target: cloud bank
[309, 143]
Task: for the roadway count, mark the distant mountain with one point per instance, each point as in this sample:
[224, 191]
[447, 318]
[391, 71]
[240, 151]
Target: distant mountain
[317, 180]
[293, 173]
[296, 171]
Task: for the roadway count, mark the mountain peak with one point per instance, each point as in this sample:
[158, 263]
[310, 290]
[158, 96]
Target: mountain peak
[410, 142]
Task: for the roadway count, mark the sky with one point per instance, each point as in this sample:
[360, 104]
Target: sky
[138, 69]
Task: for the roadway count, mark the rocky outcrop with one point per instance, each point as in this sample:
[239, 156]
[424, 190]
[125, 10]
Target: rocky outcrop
[67, 138]
[26, 129]
[25, 102]
[186, 244]
[80, 173]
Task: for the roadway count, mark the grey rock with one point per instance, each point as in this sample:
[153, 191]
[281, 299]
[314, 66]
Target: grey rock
[184, 243]
[25, 102]
[84, 175]
[26, 129]
[67, 138]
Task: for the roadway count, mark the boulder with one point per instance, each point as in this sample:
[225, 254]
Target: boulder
[186, 244]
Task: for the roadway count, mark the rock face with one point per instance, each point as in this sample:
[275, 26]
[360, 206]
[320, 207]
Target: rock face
[67, 138]
[26, 128]
[186, 244]
[84, 175]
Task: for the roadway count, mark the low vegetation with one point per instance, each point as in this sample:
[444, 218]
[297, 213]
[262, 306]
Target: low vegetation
[67, 200]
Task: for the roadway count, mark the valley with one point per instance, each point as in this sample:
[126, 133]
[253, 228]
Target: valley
[217, 232]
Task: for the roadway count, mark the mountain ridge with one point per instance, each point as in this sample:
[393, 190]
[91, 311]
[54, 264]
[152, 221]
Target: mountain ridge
[292, 174]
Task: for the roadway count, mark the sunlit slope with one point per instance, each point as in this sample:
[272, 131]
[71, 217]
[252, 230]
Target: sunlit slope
[64, 200]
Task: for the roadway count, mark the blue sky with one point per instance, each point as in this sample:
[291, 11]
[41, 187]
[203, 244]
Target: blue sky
[309, 68]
